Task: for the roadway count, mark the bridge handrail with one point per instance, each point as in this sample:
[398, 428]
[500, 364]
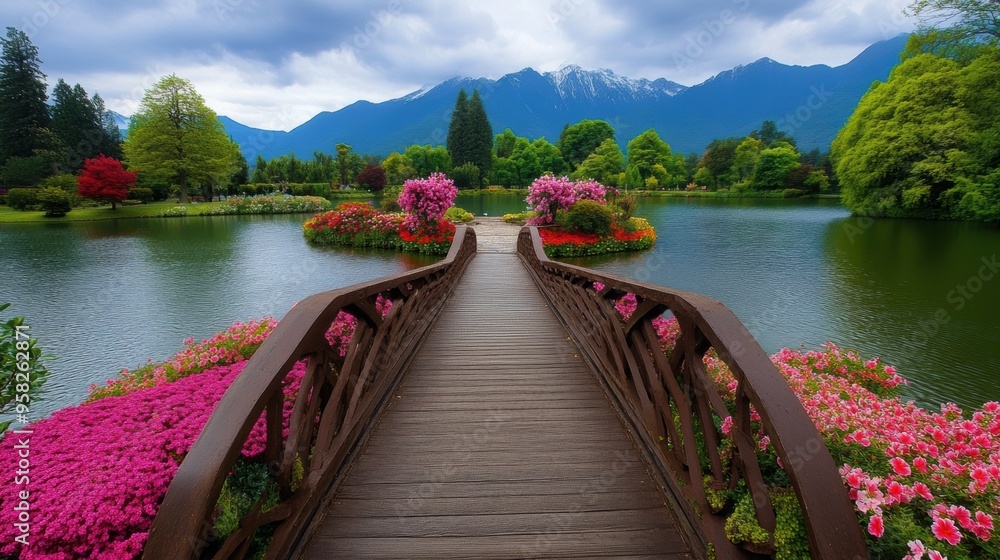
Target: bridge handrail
[344, 392]
[651, 389]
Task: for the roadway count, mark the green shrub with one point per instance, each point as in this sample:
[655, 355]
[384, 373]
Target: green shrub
[66, 182]
[465, 176]
[390, 195]
[22, 199]
[519, 218]
[793, 193]
[141, 194]
[588, 216]
[458, 215]
[55, 201]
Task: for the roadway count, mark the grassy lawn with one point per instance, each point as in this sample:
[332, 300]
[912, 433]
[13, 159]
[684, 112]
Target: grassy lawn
[151, 210]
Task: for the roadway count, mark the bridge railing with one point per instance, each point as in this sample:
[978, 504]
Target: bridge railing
[676, 409]
[311, 431]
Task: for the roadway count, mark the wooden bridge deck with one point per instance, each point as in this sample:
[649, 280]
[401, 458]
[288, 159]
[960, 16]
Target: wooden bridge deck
[499, 443]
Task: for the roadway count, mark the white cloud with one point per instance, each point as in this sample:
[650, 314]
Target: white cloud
[275, 65]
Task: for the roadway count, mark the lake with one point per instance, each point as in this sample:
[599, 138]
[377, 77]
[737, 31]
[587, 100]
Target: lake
[103, 296]
[806, 272]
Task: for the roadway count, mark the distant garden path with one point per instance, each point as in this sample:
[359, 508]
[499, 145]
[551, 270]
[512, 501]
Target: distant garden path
[494, 235]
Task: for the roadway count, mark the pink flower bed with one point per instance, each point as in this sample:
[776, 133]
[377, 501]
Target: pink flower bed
[100, 470]
[925, 484]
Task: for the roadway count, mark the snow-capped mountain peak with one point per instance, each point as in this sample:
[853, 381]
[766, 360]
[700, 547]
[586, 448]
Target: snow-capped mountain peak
[573, 82]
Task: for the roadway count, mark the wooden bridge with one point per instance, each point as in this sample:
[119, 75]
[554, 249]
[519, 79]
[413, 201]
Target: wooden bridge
[503, 409]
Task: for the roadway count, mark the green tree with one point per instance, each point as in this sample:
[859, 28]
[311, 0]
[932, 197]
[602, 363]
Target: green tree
[83, 126]
[549, 157]
[605, 164]
[503, 144]
[456, 141]
[906, 143]
[470, 135]
[769, 135]
[175, 136]
[111, 136]
[479, 137]
[652, 157]
[260, 174]
[398, 168]
[718, 161]
[426, 159]
[774, 166]
[24, 116]
[745, 158]
[581, 139]
[349, 164]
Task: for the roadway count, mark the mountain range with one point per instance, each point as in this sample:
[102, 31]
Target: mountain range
[811, 103]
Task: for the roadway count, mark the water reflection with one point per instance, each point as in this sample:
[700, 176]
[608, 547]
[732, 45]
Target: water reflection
[899, 295]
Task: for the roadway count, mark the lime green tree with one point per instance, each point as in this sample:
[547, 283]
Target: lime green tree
[583, 138]
[774, 166]
[650, 156]
[905, 144]
[605, 164]
[176, 137]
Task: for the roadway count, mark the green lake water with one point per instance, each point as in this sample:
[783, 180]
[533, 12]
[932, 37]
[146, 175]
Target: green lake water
[102, 296]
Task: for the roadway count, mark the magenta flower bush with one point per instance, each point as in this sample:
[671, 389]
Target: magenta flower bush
[548, 195]
[426, 200]
[103, 467]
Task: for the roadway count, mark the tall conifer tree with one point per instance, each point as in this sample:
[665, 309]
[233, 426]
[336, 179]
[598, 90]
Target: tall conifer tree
[456, 143]
[479, 136]
[24, 117]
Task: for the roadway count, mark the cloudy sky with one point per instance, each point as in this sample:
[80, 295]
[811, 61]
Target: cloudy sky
[274, 64]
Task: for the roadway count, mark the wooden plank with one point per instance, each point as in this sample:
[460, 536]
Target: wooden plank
[499, 443]
[651, 543]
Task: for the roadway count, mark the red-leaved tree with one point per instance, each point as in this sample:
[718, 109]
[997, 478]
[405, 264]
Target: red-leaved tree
[104, 178]
[373, 177]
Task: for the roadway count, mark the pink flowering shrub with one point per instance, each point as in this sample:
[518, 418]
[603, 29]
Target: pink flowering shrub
[548, 195]
[426, 200]
[103, 467]
[232, 345]
[924, 483]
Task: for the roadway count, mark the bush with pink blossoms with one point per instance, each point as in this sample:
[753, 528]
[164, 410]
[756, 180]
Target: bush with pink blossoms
[426, 200]
[548, 195]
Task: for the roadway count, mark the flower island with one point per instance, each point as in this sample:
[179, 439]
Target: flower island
[423, 227]
[583, 218]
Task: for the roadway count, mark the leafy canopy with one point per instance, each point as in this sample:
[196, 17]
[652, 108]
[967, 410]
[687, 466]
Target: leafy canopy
[176, 137]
